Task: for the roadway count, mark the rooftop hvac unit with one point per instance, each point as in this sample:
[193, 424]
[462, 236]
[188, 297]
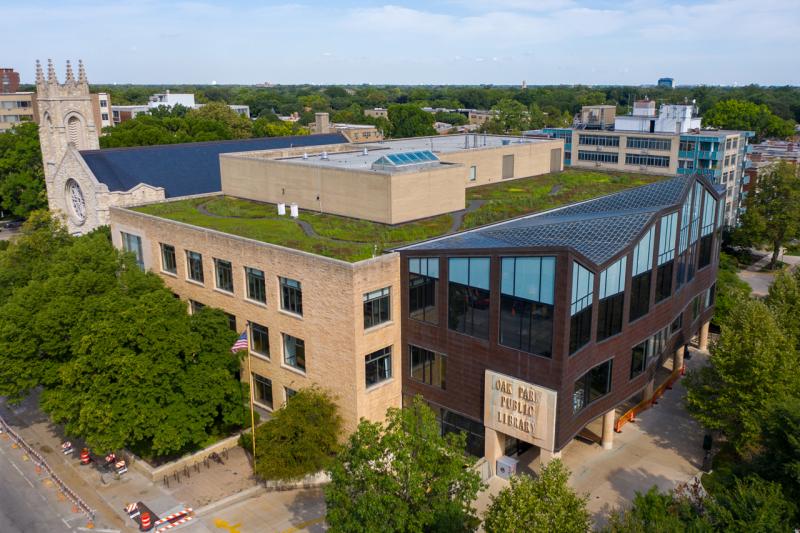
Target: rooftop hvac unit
[324, 156]
[281, 209]
[305, 155]
[294, 210]
[365, 152]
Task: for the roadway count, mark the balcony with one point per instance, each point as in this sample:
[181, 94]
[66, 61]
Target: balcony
[702, 154]
[686, 154]
[748, 149]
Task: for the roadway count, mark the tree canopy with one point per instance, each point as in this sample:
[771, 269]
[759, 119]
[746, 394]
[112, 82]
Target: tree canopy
[402, 476]
[22, 187]
[409, 120]
[749, 116]
[120, 361]
[538, 505]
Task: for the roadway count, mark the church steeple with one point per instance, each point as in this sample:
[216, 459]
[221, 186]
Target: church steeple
[51, 73]
[82, 73]
[70, 79]
[39, 75]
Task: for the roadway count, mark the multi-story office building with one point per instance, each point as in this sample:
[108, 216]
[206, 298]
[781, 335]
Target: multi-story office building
[16, 108]
[101, 102]
[667, 83]
[122, 113]
[668, 143]
[523, 332]
[9, 80]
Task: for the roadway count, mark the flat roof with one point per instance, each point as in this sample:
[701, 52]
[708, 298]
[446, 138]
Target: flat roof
[440, 145]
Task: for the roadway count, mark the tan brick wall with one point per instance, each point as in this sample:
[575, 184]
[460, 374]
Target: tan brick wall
[332, 321]
[530, 159]
[622, 150]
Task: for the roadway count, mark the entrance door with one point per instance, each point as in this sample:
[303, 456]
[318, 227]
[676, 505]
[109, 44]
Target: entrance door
[555, 160]
[508, 166]
[516, 447]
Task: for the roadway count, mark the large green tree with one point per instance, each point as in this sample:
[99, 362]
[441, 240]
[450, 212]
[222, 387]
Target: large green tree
[402, 476]
[753, 365]
[538, 505]
[772, 215]
[409, 120]
[510, 117]
[744, 115]
[664, 512]
[22, 187]
[300, 439]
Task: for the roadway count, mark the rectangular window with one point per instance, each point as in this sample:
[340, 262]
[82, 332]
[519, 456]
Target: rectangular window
[104, 116]
[602, 157]
[468, 296]
[640, 281]
[645, 143]
[473, 173]
[706, 249]
[611, 299]
[289, 393]
[195, 307]
[256, 287]
[687, 146]
[423, 284]
[526, 304]
[168, 263]
[377, 307]
[664, 280]
[259, 339]
[262, 390]
[231, 322]
[291, 296]
[378, 366]
[638, 359]
[224, 275]
[593, 385]
[194, 266]
[695, 308]
[711, 293]
[661, 161]
[294, 352]
[133, 244]
[580, 328]
[428, 367]
[598, 140]
[676, 325]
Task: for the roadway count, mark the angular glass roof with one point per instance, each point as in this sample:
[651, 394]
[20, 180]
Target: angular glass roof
[402, 159]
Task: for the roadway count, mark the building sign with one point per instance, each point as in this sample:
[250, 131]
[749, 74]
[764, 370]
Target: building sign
[517, 408]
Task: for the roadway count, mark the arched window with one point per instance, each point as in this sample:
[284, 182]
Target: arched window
[74, 132]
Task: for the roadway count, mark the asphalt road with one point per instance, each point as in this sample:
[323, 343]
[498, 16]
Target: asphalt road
[26, 505]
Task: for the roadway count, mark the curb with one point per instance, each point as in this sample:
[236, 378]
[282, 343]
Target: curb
[246, 494]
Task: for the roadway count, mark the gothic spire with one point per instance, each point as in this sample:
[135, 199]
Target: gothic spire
[82, 73]
[70, 77]
[39, 73]
[51, 72]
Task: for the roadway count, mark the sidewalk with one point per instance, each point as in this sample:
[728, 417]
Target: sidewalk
[760, 281]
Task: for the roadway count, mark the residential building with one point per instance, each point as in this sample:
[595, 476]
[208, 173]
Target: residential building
[666, 82]
[354, 132]
[101, 102]
[378, 112]
[9, 80]
[167, 99]
[16, 108]
[668, 143]
[479, 117]
[766, 154]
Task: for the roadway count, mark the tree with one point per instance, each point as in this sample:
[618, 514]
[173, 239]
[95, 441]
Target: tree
[664, 512]
[772, 214]
[403, 476]
[511, 116]
[456, 119]
[239, 126]
[744, 115]
[409, 120]
[300, 439]
[536, 117]
[753, 365]
[731, 290]
[780, 459]
[539, 505]
[783, 300]
[752, 504]
[22, 187]
[263, 127]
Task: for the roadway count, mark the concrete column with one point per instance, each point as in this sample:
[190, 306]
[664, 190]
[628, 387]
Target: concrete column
[703, 344]
[545, 456]
[647, 393]
[677, 359]
[607, 439]
[493, 448]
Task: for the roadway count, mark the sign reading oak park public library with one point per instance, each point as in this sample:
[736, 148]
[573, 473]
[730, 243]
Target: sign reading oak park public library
[519, 409]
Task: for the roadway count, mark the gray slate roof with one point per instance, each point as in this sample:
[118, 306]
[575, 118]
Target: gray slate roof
[598, 228]
[183, 169]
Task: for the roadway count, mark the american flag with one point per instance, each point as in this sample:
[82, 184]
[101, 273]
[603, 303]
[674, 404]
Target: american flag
[241, 343]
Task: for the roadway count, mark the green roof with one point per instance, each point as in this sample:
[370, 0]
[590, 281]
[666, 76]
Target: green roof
[353, 240]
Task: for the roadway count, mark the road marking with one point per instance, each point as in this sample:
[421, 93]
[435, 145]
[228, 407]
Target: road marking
[303, 525]
[219, 523]
[21, 473]
[98, 530]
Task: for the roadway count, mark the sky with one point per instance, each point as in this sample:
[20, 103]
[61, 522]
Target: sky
[715, 42]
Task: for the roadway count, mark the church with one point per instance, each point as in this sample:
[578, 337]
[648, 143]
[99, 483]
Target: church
[84, 181]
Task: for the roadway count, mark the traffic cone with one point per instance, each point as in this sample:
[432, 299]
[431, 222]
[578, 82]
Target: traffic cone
[90, 524]
[85, 459]
[145, 523]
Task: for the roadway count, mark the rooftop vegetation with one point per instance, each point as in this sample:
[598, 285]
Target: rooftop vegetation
[353, 240]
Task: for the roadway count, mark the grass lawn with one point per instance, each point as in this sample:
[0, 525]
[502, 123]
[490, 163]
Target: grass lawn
[353, 240]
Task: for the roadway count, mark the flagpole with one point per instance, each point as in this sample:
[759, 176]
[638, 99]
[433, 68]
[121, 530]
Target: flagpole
[252, 411]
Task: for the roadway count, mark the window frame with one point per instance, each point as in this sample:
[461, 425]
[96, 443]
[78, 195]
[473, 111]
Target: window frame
[252, 326]
[249, 276]
[255, 381]
[291, 296]
[286, 360]
[190, 267]
[220, 274]
[164, 269]
[382, 299]
[586, 389]
[382, 361]
[433, 359]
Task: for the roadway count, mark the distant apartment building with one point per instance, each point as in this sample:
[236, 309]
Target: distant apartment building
[668, 142]
[480, 117]
[9, 80]
[666, 82]
[101, 102]
[15, 108]
[378, 112]
[354, 132]
[763, 156]
[167, 99]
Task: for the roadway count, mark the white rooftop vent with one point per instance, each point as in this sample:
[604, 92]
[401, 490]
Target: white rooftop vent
[365, 152]
[281, 209]
[295, 212]
[324, 156]
[305, 155]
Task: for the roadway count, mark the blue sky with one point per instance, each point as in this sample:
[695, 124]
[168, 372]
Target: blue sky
[415, 42]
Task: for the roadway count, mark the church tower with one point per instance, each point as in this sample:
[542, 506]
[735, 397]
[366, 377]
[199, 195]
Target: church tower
[66, 117]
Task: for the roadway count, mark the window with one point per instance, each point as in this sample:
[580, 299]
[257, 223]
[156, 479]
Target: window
[602, 157]
[259, 339]
[289, 393]
[676, 325]
[649, 144]
[695, 308]
[194, 266]
[612, 298]
[294, 352]
[580, 328]
[256, 288]
[427, 366]
[526, 304]
[666, 256]
[687, 164]
[423, 283]
[647, 160]
[133, 244]
[231, 321]
[224, 275]
[711, 295]
[377, 307]
[598, 140]
[378, 366]
[468, 296]
[473, 173]
[168, 263]
[103, 103]
[687, 146]
[638, 359]
[291, 296]
[641, 276]
[195, 307]
[262, 390]
[593, 385]
[707, 230]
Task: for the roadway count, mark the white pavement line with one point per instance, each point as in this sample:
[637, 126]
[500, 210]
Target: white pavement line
[21, 473]
[98, 530]
[66, 523]
[230, 500]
